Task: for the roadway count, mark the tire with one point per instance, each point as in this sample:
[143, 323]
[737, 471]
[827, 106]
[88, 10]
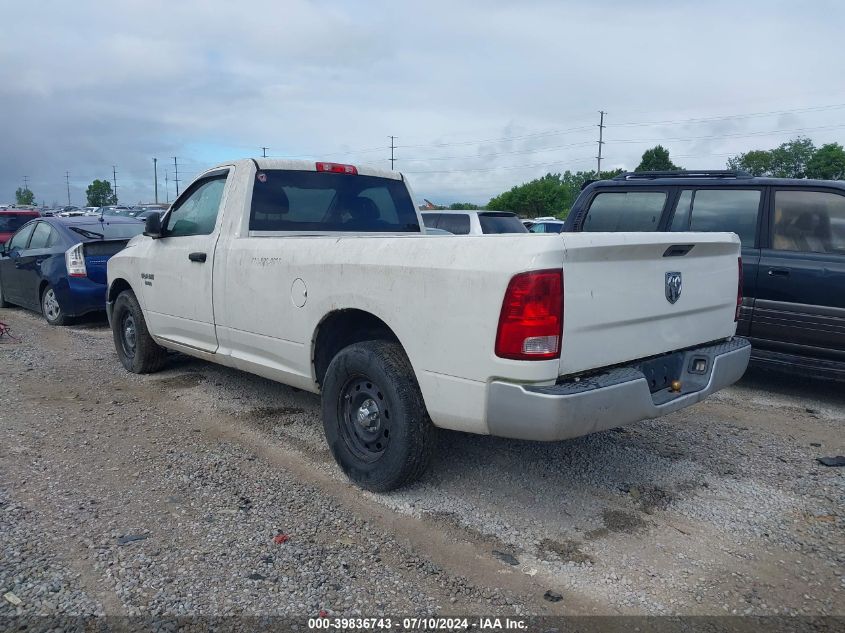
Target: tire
[50, 308]
[375, 420]
[136, 349]
[3, 302]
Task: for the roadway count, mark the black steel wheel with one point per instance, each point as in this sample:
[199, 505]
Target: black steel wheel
[136, 349]
[374, 416]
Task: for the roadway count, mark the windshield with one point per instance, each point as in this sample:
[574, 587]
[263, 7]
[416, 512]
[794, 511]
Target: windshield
[501, 223]
[109, 230]
[11, 222]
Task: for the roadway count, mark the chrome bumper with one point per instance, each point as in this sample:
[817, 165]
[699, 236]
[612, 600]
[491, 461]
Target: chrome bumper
[616, 397]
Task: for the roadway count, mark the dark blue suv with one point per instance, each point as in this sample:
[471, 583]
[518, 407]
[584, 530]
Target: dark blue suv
[57, 266]
[793, 250]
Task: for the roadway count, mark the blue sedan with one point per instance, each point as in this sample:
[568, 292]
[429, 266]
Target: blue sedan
[57, 266]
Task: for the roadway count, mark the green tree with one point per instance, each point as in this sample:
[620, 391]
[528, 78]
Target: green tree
[757, 162]
[553, 194]
[789, 160]
[828, 163]
[656, 159]
[100, 194]
[462, 206]
[24, 196]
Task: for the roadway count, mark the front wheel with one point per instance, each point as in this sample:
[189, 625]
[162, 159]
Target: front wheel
[50, 308]
[136, 349]
[375, 420]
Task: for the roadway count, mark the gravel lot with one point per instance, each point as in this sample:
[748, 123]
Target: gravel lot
[163, 494]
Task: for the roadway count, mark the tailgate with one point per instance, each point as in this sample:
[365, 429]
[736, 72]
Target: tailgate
[615, 295]
[97, 254]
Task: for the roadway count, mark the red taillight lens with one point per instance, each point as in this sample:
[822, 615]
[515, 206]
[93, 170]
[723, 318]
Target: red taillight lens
[738, 291]
[531, 321]
[338, 168]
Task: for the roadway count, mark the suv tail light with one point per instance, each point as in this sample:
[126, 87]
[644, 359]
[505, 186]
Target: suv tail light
[738, 291]
[75, 261]
[531, 321]
[338, 168]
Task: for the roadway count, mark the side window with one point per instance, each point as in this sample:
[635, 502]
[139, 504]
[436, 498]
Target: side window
[809, 221]
[197, 214]
[431, 219]
[625, 211]
[457, 223]
[732, 210]
[42, 236]
[680, 221]
[538, 228]
[21, 238]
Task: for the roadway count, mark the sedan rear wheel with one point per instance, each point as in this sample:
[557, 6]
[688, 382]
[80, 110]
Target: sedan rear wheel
[50, 307]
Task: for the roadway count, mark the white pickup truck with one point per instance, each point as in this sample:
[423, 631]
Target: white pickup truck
[318, 276]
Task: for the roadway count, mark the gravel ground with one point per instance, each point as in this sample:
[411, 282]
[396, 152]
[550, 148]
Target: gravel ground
[163, 494]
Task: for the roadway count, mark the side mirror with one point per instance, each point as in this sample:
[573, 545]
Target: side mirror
[152, 226]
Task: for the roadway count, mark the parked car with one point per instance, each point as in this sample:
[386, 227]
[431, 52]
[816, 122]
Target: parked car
[793, 251]
[320, 276]
[474, 222]
[13, 219]
[58, 265]
[546, 226]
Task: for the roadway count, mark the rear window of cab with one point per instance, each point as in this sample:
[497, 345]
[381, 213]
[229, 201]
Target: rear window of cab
[287, 200]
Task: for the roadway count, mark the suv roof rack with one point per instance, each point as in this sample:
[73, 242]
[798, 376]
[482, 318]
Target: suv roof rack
[696, 173]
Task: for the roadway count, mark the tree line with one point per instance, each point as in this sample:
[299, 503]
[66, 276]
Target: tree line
[554, 194]
[99, 194]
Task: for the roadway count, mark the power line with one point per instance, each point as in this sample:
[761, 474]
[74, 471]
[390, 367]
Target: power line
[472, 169]
[735, 135]
[601, 142]
[730, 116]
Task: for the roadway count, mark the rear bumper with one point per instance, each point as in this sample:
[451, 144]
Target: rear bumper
[616, 397]
[80, 295]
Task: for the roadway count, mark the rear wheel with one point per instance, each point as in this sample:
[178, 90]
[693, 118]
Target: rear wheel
[136, 349]
[50, 307]
[375, 420]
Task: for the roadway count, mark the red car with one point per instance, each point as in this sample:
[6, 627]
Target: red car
[13, 219]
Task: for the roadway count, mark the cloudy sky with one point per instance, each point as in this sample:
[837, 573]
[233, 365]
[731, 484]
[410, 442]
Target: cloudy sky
[480, 95]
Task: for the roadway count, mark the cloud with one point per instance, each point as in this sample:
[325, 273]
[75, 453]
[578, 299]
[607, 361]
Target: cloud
[468, 88]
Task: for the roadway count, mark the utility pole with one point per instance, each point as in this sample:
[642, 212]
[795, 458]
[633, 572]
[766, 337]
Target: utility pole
[264, 151]
[114, 176]
[25, 183]
[67, 182]
[176, 177]
[155, 176]
[601, 142]
[392, 147]
[166, 188]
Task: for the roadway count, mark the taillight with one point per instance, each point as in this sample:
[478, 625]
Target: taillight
[531, 321]
[338, 168]
[738, 291]
[75, 260]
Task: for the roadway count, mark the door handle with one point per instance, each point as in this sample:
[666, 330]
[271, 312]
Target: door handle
[778, 272]
[197, 257]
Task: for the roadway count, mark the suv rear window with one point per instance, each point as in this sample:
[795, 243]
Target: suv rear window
[731, 210]
[11, 222]
[809, 221]
[625, 211]
[285, 200]
[500, 223]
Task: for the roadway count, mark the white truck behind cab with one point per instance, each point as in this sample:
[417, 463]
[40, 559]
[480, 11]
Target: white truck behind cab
[318, 276]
